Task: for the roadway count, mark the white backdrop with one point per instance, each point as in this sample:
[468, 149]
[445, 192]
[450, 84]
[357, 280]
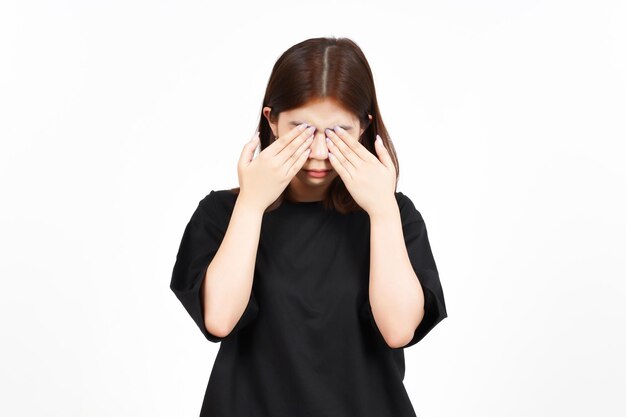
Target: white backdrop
[117, 117]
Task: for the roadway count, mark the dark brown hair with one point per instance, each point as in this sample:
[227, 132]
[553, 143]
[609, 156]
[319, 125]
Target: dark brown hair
[315, 69]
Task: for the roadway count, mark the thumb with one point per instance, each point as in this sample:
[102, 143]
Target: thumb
[249, 148]
[382, 152]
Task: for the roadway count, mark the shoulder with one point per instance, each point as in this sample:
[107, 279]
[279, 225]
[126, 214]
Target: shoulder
[408, 212]
[218, 203]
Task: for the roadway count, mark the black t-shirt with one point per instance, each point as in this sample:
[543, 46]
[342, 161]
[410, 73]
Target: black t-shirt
[307, 343]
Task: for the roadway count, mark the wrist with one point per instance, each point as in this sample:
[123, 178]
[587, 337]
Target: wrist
[248, 206]
[385, 210]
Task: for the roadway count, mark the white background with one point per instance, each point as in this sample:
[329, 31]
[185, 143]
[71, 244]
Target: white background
[117, 117]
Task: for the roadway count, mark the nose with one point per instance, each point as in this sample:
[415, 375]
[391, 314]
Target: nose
[319, 148]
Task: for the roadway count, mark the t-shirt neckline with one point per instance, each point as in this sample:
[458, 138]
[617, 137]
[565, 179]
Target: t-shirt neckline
[304, 202]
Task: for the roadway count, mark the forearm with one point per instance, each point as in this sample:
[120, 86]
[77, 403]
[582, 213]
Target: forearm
[395, 294]
[228, 281]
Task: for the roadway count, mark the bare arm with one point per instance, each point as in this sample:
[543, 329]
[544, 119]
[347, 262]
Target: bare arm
[395, 293]
[228, 281]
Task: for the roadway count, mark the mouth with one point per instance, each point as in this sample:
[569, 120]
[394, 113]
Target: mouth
[317, 173]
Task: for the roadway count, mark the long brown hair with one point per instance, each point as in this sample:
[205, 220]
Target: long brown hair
[315, 69]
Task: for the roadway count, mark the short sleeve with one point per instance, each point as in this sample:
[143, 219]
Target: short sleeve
[423, 262]
[200, 241]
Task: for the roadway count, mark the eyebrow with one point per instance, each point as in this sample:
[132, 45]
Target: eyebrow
[296, 123]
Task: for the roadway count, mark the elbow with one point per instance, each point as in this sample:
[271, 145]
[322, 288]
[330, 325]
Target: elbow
[217, 328]
[399, 340]
[401, 337]
[398, 337]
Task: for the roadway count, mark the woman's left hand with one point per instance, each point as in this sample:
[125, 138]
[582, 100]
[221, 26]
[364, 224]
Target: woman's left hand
[370, 180]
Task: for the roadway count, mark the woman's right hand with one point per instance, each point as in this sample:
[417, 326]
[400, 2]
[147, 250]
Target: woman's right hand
[264, 178]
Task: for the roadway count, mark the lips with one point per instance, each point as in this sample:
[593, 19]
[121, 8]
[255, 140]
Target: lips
[318, 170]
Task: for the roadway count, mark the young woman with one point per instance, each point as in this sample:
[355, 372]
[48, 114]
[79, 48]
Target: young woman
[314, 274]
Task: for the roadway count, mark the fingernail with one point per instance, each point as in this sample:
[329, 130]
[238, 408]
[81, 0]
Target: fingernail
[338, 129]
[302, 126]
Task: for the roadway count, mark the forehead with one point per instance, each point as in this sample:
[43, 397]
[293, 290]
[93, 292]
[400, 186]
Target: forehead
[325, 110]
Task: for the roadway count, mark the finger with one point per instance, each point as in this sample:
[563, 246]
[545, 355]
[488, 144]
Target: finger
[383, 153]
[288, 151]
[354, 144]
[297, 166]
[248, 149]
[279, 144]
[345, 149]
[338, 166]
[333, 141]
[293, 160]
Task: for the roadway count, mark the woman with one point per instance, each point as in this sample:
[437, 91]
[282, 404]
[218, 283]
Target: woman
[313, 282]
